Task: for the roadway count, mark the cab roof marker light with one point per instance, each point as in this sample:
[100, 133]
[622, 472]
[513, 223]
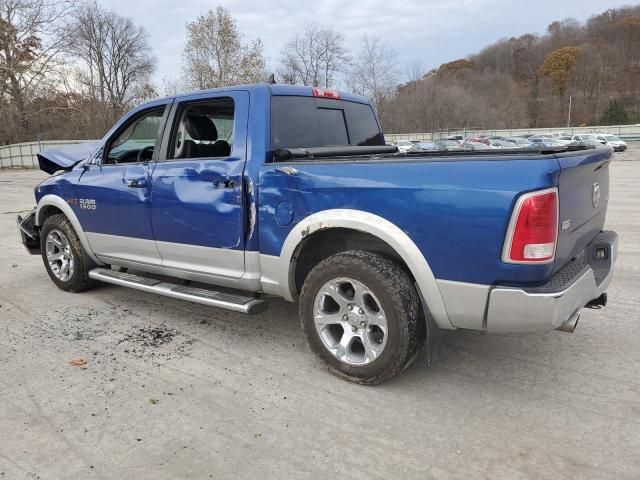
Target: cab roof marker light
[325, 93]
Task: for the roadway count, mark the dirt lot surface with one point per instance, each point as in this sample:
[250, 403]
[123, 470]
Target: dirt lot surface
[114, 383]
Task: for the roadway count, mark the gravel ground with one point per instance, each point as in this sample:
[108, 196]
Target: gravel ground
[117, 383]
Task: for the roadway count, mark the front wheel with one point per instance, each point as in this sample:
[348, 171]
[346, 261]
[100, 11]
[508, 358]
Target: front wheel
[63, 255]
[361, 314]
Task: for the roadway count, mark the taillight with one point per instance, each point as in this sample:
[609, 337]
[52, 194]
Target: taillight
[533, 229]
[323, 92]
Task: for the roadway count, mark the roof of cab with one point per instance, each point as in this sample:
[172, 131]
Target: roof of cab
[273, 89]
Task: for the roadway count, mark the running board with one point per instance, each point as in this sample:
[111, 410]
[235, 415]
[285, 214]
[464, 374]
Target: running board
[212, 298]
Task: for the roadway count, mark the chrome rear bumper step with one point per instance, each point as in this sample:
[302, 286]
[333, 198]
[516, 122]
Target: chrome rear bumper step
[212, 298]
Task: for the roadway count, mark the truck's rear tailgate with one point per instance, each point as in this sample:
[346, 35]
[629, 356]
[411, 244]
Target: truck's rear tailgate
[584, 195]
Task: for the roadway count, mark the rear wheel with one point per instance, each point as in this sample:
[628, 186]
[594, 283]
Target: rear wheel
[63, 255]
[361, 314]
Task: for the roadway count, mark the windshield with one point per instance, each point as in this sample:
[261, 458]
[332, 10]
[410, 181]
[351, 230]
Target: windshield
[612, 138]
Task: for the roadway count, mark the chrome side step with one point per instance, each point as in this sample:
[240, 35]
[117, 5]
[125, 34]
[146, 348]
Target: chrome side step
[228, 301]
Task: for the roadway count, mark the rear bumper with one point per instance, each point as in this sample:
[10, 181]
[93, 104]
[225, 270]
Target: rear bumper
[547, 307]
[29, 234]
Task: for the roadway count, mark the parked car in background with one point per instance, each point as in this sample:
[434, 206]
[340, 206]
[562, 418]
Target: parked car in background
[565, 139]
[448, 145]
[583, 137]
[504, 143]
[616, 143]
[589, 143]
[425, 147]
[521, 142]
[545, 142]
[592, 137]
[484, 140]
[472, 146]
[404, 146]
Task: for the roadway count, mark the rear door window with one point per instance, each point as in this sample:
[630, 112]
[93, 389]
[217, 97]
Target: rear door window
[306, 122]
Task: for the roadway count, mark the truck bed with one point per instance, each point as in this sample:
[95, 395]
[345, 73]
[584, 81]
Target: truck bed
[455, 205]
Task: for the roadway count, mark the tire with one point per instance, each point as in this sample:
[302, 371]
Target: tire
[340, 295]
[57, 235]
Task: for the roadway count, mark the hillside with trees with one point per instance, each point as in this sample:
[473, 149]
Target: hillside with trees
[527, 81]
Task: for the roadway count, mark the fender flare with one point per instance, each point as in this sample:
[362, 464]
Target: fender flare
[59, 203]
[385, 231]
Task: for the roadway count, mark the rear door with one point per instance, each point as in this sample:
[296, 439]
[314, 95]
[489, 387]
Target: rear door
[584, 196]
[197, 208]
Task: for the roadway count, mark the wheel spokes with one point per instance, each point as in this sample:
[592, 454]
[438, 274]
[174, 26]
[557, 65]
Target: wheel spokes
[378, 320]
[323, 319]
[55, 238]
[55, 256]
[371, 349]
[350, 321]
[343, 348]
[59, 255]
[333, 290]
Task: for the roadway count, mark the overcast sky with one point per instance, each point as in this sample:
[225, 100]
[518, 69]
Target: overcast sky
[429, 31]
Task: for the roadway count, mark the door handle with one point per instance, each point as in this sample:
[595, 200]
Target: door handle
[227, 183]
[137, 183]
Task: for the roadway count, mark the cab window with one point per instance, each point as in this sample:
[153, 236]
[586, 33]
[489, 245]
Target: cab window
[203, 130]
[303, 122]
[137, 140]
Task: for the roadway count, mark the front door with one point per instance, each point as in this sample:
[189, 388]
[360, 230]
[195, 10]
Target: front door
[113, 192]
[197, 207]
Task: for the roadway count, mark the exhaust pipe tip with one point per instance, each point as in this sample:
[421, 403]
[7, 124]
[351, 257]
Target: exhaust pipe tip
[569, 325]
[597, 303]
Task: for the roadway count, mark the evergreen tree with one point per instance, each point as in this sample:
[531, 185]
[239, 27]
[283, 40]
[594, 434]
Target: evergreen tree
[615, 114]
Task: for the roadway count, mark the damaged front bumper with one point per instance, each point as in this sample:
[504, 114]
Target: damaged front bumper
[553, 305]
[29, 233]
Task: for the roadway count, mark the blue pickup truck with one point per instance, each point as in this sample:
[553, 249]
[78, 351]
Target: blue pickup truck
[225, 196]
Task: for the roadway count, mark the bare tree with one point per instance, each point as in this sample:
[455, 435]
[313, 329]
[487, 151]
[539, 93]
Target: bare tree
[114, 56]
[170, 87]
[372, 73]
[30, 42]
[414, 70]
[215, 54]
[314, 57]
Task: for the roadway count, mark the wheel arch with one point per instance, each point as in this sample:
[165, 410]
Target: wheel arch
[319, 235]
[52, 205]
